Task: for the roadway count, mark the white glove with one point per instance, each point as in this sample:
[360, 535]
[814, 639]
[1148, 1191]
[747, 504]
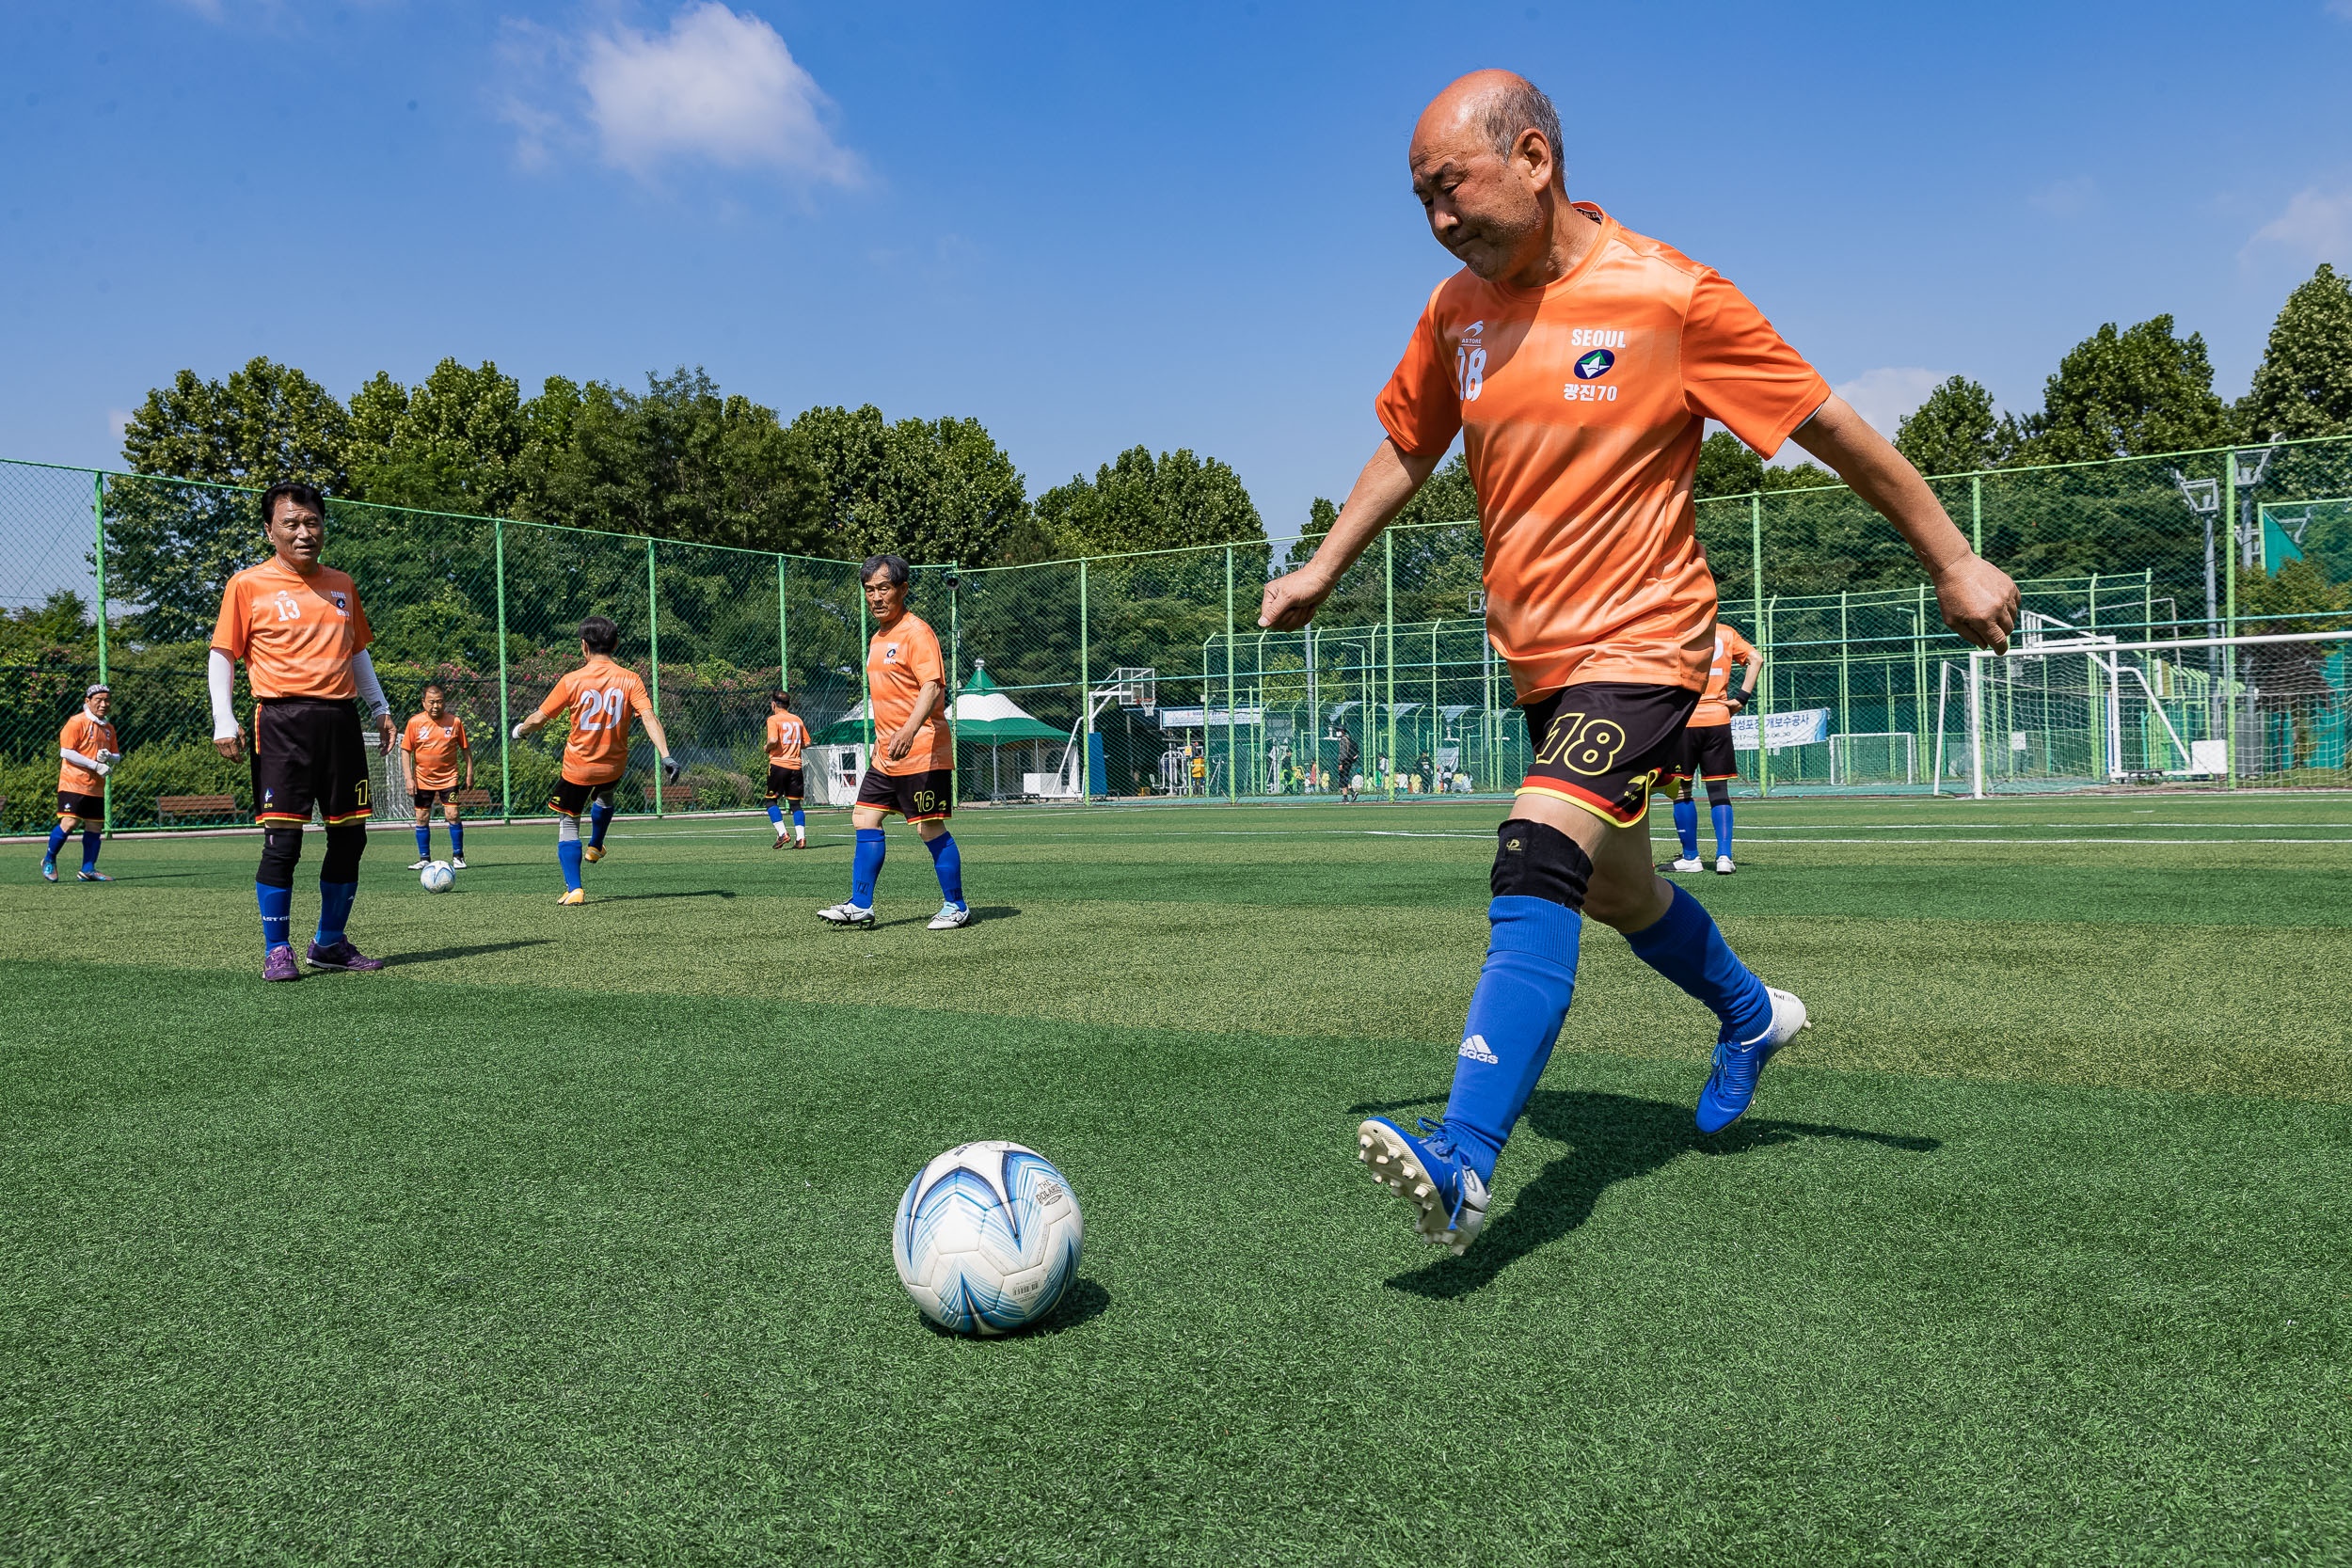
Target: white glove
[110, 758]
[518, 729]
[102, 767]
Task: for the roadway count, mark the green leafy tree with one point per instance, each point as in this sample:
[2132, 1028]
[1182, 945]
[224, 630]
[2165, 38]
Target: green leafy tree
[1956, 431]
[1137, 502]
[451, 444]
[2304, 384]
[932, 490]
[2128, 393]
[1726, 467]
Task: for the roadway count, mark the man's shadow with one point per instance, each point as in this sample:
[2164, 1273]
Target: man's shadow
[1612, 1138]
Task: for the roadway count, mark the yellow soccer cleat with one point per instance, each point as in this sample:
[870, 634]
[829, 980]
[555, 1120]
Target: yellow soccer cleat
[592, 854]
[576, 895]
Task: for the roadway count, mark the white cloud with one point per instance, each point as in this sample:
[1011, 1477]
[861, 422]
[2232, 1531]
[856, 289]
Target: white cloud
[117, 420]
[719, 86]
[2316, 226]
[2071, 198]
[2340, 8]
[1881, 397]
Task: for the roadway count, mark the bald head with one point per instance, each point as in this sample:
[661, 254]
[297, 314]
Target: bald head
[1486, 160]
[1495, 107]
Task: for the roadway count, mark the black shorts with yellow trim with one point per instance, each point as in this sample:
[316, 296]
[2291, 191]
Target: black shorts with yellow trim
[571, 796]
[72, 804]
[917, 797]
[1602, 745]
[787, 783]
[427, 798]
[308, 752]
[1705, 753]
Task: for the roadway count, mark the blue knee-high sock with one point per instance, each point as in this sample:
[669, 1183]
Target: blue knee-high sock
[567, 849]
[458, 839]
[866, 867]
[1684, 945]
[424, 841]
[1722, 828]
[56, 841]
[1687, 827]
[334, 909]
[800, 817]
[948, 862]
[1515, 1016]
[89, 849]
[600, 818]
[776, 813]
[276, 915]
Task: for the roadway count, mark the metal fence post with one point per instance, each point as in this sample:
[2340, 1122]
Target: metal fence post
[784, 641]
[653, 653]
[1085, 695]
[98, 519]
[1764, 633]
[1976, 511]
[506, 769]
[1388, 615]
[2229, 612]
[1232, 745]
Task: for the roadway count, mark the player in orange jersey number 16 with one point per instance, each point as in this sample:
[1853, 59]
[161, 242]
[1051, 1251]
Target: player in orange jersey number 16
[1579, 362]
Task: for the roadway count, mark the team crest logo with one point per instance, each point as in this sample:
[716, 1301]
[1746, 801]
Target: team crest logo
[890, 653]
[342, 605]
[1596, 363]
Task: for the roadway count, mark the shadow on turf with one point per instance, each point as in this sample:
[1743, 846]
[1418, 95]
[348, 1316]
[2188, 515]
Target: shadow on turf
[1613, 1138]
[632, 897]
[1082, 1303]
[436, 955]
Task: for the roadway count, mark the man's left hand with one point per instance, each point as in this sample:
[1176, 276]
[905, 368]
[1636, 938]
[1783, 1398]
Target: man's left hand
[386, 732]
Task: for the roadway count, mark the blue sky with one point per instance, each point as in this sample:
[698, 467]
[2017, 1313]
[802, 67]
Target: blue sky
[1094, 226]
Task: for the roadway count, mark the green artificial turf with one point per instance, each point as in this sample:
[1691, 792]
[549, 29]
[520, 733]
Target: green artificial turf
[565, 1239]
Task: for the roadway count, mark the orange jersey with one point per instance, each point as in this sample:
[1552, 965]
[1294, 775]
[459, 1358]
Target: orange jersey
[1581, 407]
[1730, 649]
[787, 734]
[296, 634]
[88, 736]
[897, 662]
[435, 745]
[605, 698]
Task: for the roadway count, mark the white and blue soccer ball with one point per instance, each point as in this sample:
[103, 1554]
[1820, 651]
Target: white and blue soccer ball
[437, 877]
[987, 1238]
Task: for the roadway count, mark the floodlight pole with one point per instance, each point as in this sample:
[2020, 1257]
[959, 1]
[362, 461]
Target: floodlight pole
[97, 566]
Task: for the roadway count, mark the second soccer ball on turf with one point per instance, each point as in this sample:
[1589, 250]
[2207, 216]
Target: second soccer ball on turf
[987, 1238]
[436, 877]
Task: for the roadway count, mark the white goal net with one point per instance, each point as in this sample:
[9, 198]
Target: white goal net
[2074, 712]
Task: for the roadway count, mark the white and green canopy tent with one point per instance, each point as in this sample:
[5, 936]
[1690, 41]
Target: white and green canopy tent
[983, 716]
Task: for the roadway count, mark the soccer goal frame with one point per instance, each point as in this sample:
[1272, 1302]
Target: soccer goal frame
[2118, 680]
[1841, 755]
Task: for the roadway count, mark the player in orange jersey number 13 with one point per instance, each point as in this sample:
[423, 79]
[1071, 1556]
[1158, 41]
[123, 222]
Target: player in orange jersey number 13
[1579, 362]
[299, 629]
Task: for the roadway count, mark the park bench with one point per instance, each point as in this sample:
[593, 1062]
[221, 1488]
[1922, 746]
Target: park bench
[677, 796]
[170, 808]
[472, 800]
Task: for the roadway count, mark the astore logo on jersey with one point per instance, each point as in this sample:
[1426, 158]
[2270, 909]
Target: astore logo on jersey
[1470, 362]
[1595, 363]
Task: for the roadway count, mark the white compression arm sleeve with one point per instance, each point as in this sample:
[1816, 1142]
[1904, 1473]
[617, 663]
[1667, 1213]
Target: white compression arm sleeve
[220, 676]
[78, 759]
[370, 691]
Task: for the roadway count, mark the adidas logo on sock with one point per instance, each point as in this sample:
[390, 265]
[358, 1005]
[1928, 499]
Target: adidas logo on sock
[1476, 1050]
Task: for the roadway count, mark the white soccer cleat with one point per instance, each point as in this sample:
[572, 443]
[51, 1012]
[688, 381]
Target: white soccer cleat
[457, 863]
[846, 913]
[420, 866]
[1448, 1198]
[1722, 865]
[1686, 863]
[950, 917]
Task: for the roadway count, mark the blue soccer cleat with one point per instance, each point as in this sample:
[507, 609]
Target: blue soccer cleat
[49, 869]
[87, 874]
[1738, 1066]
[1448, 1197]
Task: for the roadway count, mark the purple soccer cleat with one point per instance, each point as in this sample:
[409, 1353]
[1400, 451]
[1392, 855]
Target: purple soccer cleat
[280, 964]
[341, 956]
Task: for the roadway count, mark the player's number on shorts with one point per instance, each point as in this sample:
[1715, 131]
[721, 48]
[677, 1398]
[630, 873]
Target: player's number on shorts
[925, 801]
[1582, 744]
[600, 709]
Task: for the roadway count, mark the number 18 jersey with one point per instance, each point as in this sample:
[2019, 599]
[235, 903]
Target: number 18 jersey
[605, 698]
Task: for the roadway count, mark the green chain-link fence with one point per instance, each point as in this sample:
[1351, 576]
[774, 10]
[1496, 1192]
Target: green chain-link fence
[1147, 674]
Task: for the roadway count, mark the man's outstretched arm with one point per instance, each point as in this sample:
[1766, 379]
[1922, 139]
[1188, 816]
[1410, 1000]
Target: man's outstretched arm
[1381, 491]
[1979, 600]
